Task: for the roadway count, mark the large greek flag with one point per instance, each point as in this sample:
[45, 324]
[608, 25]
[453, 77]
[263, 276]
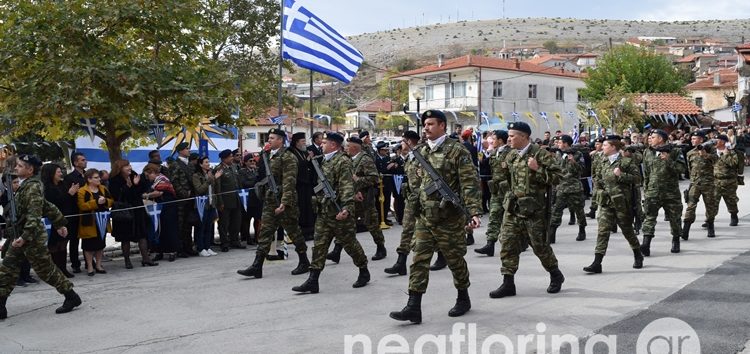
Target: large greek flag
[312, 44]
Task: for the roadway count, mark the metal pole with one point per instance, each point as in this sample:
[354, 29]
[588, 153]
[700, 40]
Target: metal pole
[281, 56]
[418, 118]
[311, 104]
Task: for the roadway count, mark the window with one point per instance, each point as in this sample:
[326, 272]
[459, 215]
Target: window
[532, 91]
[263, 137]
[497, 89]
[458, 89]
[699, 102]
[560, 93]
[730, 101]
[429, 93]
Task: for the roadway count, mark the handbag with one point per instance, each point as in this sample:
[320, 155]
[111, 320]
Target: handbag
[118, 214]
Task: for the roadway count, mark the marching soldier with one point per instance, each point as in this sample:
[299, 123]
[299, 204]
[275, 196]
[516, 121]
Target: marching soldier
[725, 172]
[531, 169]
[569, 191]
[29, 242]
[333, 222]
[596, 159]
[618, 177]
[700, 163]
[279, 207]
[662, 165]
[441, 225]
[635, 153]
[498, 186]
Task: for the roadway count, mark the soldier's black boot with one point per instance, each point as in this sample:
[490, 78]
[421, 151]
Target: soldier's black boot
[572, 220]
[675, 245]
[733, 220]
[439, 262]
[507, 288]
[595, 267]
[556, 280]
[412, 311]
[380, 253]
[711, 231]
[686, 230]
[256, 269]
[637, 258]
[463, 304]
[400, 266]
[488, 249]
[303, 266]
[523, 244]
[591, 214]
[3, 310]
[311, 284]
[552, 234]
[581, 233]
[614, 228]
[469, 238]
[72, 300]
[363, 278]
[335, 255]
[646, 245]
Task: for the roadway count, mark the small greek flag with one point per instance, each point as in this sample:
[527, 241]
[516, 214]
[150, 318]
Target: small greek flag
[671, 118]
[485, 118]
[200, 205]
[89, 124]
[572, 115]
[515, 116]
[154, 213]
[48, 227]
[369, 120]
[544, 116]
[323, 116]
[576, 135]
[312, 44]
[243, 193]
[736, 107]
[398, 180]
[592, 114]
[278, 119]
[102, 219]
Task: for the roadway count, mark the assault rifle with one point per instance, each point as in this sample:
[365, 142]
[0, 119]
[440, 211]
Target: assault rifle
[438, 185]
[323, 184]
[269, 180]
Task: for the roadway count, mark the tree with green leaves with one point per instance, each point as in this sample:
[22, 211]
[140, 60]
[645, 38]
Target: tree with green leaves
[634, 70]
[618, 106]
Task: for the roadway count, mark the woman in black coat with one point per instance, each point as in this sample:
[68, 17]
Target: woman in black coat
[55, 193]
[126, 187]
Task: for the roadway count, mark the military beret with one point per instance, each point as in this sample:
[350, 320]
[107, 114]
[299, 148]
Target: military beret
[566, 139]
[363, 134]
[599, 139]
[225, 153]
[613, 137]
[502, 135]
[247, 157]
[411, 135]
[235, 151]
[433, 114]
[278, 132]
[723, 137]
[193, 156]
[661, 133]
[31, 160]
[181, 146]
[333, 136]
[520, 126]
[382, 145]
[297, 137]
[355, 140]
[699, 133]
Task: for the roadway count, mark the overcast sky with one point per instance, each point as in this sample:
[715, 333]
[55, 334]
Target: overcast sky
[351, 17]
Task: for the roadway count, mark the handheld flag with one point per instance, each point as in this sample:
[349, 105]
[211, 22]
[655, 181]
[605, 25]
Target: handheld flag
[200, 205]
[102, 219]
[544, 116]
[398, 180]
[592, 114]
[154, 213]
[89, 124]
[243, 193]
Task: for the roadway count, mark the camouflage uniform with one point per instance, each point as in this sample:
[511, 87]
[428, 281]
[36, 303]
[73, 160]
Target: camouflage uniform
[662, 190]
[182, 183]
[411, 191]
[637, 157]
[367, 182]
[595, 164]
[725, 172]
[338, 172]
[569, 191]
[524, 208]
[31, 207]
[442, 228]
[615, 200]
[283, 166]
[498, 186]
[701, 169]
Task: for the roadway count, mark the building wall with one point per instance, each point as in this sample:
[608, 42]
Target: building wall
[713, 99]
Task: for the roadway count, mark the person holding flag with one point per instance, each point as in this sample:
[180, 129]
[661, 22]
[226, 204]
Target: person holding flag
[93, 197]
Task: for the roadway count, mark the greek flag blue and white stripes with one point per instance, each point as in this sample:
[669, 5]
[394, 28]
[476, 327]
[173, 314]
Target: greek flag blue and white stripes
[544, 116]
[576, 135]
[278, 119]
[736, 107]
[312, 44]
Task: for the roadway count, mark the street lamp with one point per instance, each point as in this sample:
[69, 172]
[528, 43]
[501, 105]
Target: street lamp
[418, 95]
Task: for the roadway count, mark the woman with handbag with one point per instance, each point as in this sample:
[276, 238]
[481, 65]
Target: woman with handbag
[203, 182]
[55, 193]
[129, 225]
[162, 191]
[93, 197]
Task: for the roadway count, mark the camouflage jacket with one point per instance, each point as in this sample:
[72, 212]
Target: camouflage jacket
[284, 169]
[726, 165]
[499, 183]
[662, 176]
[31, 207]
[571, 178]
[524, 182]
[181, 178]
[452, 161]
[701, 166]
[228, 182]
[412, 180]
[338, 172]
[617, 192]
[596, 160]
[367, 174]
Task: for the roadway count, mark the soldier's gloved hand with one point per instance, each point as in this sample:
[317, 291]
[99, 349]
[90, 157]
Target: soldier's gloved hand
[63, 231]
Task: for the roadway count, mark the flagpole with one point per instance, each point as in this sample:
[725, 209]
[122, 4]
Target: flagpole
[311, 104]
[281, 56]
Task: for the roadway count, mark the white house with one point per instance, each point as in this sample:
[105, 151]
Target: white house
[364, 115]
[465, 86]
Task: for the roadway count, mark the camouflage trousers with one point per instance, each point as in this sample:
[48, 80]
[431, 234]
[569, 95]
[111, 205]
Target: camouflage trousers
[563, 200]
[496, 217]
[344, 231]
[371, 219]
[272, 222]
[672, 204]
[535, 229]
[446, 236]
[639, 204]
[727, 189]
[407, 233]
[594, 191]
[37, 254]
[607, 216]
[694, 194]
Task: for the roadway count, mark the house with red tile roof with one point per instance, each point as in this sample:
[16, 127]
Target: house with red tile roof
[714, 91]
[670, 110]
[364, 115]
